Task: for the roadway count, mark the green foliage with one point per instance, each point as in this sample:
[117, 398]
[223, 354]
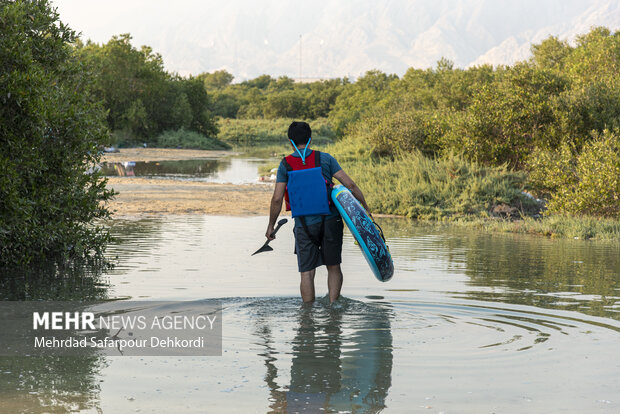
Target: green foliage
[359, 98]
[50, 129]
[546, 116]
[224, 104]
[255, 132]
[270, 98]
[397, 131]
[596, 59]
[181, 114]
[183, 138]
[287, 104]
[551, 53]
[508, 118]
[216, 80]
[442, 88]
[494, 116]
[555, 226]
[417, 186]
[140, 96]
[584, 183]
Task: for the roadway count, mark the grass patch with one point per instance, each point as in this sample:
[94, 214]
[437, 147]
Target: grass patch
[181, 138]
[263, 151]
[456, 191]
[189, 140]
[555, 226]
[261, 132]
[416, 186]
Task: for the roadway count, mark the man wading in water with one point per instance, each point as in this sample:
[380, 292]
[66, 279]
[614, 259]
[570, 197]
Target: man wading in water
[304, 179]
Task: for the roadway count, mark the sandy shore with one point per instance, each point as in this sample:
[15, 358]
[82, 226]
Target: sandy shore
[138, 195]
[162, 154]
[147, 196]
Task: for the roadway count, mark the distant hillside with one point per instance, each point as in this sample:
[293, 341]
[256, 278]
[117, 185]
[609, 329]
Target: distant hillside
[341, 38]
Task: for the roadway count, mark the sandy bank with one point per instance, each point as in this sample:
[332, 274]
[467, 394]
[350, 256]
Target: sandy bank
[149, 196]
[162, 154]
[155, 196]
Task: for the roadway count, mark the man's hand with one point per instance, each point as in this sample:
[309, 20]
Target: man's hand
[350, 184]
[276, 207]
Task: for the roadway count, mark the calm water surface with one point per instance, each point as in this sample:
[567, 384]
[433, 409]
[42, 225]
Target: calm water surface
[470, 323]
[228, 170]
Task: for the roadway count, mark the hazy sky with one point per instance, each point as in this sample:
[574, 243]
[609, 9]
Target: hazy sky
[340, 37]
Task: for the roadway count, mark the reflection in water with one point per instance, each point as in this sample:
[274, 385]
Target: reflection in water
[561, 274]
[475, 323]
[510, 268]
[220, 170]
[341, 357]
[198, 168]
[51, 281]
[121, 169]
[51, 384]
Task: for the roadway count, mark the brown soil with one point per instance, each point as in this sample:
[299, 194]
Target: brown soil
[149, 196]
[138, 196]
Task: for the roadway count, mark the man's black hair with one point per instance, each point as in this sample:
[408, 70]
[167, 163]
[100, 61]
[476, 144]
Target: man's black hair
[299, 132]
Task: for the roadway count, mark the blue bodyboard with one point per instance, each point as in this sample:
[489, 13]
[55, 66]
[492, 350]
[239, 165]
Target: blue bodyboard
[307, 192]
[365, 233]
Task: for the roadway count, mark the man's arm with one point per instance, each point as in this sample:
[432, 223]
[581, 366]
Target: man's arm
[355, 190]
[275, 209]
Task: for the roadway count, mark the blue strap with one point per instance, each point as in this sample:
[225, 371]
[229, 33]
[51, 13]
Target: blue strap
[303, 156]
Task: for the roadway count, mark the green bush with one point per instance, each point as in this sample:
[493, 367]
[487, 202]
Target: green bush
[396, 131]
[50, 130]
[183, 138]
[417, 186]
[360, 97]
[556, 226]
[584, 183]
[509, 118]
[255, 132]
[139, 95]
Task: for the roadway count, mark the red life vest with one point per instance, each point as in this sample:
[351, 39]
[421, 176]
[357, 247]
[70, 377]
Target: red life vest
[293, 163]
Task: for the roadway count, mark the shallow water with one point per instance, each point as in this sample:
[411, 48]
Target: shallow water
[470, 323]
[229, 170]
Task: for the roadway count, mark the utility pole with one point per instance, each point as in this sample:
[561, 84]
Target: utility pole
[299, 58]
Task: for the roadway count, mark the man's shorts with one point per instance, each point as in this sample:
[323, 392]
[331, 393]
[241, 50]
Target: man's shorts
[309, 255]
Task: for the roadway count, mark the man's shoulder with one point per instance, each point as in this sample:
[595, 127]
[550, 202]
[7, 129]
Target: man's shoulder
[328, 159]
[281, 173]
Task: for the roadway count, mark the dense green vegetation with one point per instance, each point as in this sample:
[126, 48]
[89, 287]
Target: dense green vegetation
[50, 128]
[183, 138]
[554, 118]
[441, 143]
[270, 98]
[554, 226]
[553, 121]
[142, 99]
[261, 132]
[416, 186]
[549, 125]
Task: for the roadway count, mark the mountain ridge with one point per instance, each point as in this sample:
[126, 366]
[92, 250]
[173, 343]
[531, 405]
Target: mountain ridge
[342, 38]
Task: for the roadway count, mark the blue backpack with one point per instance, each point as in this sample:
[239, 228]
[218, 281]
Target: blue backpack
[307, 190]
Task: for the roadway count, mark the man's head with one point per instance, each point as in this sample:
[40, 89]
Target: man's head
[299, 133]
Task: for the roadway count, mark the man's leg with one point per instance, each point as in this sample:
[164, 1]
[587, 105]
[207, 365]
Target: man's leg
[334, 282]
[307, 285]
